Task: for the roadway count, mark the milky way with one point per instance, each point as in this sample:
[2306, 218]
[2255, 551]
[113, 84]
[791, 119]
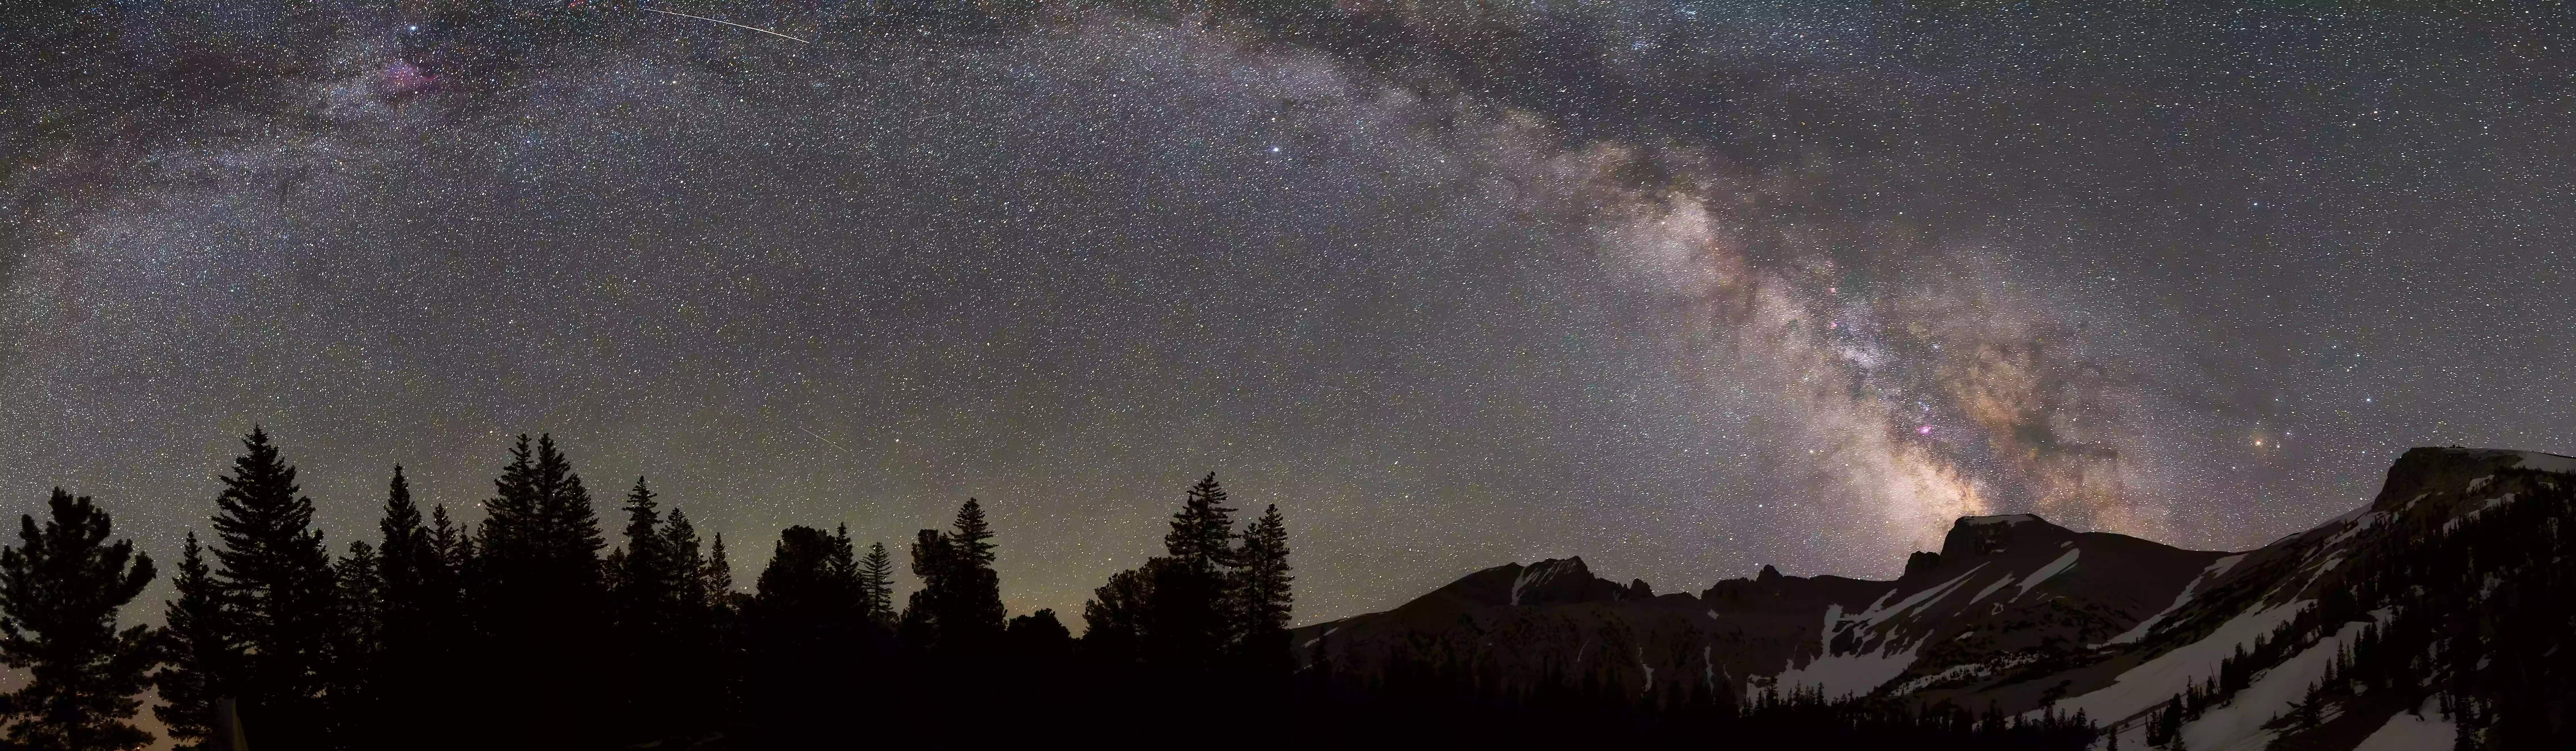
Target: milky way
[1683, 288]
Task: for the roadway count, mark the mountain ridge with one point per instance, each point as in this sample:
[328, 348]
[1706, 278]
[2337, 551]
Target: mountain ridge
[2014, 613]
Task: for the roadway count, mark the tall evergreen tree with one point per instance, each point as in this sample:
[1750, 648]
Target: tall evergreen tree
[919, 624]
[60, 590]
[718, 574]
[959, 605]
[845, 571]
[723, 614]
[808, 632]
[541, 599]
[972, 615]
[647, 580]
[273, 566]
[423, 612]
[680, 540]
[356, 649]
[876, 587]
[650, 587]
[1202, 534]
[693, 657]
[1262, 598]
[1187, 625]
[807, 585]
[201, 655]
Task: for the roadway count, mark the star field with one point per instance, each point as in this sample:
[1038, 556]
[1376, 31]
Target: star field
[1684, 288]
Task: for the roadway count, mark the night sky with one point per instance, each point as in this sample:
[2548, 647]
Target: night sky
[1680, 287]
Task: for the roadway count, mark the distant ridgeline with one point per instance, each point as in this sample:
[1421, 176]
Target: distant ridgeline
[2435, 617]
[2439, 616]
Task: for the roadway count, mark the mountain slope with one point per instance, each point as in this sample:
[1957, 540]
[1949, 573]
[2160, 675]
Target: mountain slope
[2378, 627]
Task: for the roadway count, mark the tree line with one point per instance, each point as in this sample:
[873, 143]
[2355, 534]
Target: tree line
[530, 629]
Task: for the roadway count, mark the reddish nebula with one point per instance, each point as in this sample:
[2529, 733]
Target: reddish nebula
[402, 77]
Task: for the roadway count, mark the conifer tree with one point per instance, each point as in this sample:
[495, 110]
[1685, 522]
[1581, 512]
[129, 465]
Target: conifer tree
[718, 574]
[680, 540]
[356, 649]
[540, 599]
[692, 657]
[1263, 600]
[60, 590]
[960, 601]
[723, 647]
[423, 613]
[275, 570]
[200, 653]
[931, 563]
[646, 579]
[806, 586]
[1187, 624]
[876, 586]
[453, 541]
[974, 617]
[806, 632]
[846, 574]
[1202, 534]
[2167, 728]
[651, 584]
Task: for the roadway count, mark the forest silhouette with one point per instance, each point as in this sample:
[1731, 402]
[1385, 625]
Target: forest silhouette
[533, 629]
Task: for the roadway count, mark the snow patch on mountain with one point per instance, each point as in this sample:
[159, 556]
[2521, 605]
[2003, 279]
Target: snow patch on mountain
[2053, 568]
[1875, 615]
[2425, 727]
[1990, 589]
[2535, 460]
[2152, 682]
[1845, 675]
[2238, 724]
[2216, 569]
[1537, 574]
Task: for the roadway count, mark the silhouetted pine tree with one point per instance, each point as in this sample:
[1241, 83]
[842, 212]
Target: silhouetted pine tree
[959, 605]
[540, 597]
[680, 540]
[1262, 598]
[693, 655]
[423, 619]
[807, 634]
[1202, 534]
[919, 625]
[845, 569]
[201, 656]
[644, 578]
[718, 574]
[60, 590]
[970, 614]
[723, 614]
[1186, 624]
[350, 672]
[653, 588]
[275, 570]
[876, 587]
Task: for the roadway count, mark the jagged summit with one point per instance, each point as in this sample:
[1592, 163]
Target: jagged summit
[2020, 614]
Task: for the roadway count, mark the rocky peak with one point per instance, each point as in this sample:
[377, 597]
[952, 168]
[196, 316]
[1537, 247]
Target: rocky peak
[1975, 537]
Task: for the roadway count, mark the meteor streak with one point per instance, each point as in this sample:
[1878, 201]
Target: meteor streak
[727, 23]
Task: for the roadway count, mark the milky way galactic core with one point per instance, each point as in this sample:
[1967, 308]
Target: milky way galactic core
[1684, 288]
